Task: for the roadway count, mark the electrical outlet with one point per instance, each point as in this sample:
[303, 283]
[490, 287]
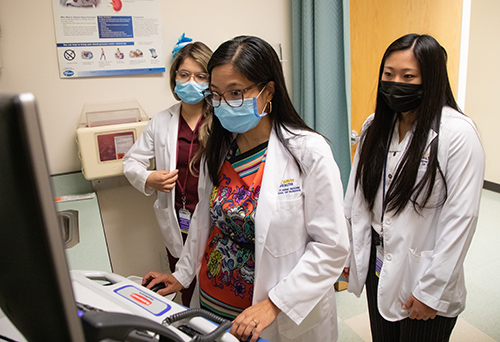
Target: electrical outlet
[165, 265]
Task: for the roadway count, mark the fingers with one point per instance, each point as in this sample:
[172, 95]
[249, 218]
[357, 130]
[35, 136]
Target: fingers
[168, 181]
[171, 286]
[171, 283]
[408, 304]
[243, 328]
[164, 292]
[418, 310]
[345, 273]
[149, 277]
[153, 278]
[146, 279]
[256, 332]
[162, 180]
[156, 278]
[419, 315]
[253, 320]
[172, 176]
[153, 282]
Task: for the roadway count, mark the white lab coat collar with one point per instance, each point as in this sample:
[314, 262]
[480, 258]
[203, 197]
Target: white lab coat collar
[430, 138]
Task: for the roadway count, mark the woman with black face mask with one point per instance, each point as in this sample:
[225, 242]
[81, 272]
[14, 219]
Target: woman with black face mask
[413, 197]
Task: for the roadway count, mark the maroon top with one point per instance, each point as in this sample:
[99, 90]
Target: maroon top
[186, 181]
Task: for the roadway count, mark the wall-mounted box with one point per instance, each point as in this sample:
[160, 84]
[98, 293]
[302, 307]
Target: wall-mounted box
[105, 133]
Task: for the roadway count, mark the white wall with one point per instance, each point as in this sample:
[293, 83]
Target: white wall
[27, 48]
[28, 51]
[483, 75]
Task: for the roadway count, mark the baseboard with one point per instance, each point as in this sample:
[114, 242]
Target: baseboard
[491, 186]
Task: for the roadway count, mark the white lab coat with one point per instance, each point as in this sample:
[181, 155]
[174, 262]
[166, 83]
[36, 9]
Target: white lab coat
[424, 253]
[301, 239]
[159, 141]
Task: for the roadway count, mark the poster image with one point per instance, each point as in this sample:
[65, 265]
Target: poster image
[108, 37]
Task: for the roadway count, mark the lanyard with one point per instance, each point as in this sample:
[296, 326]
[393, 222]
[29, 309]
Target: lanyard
[182, 187]
[384, 204]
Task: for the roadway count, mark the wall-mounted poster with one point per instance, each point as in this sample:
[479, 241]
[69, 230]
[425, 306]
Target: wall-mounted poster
[108, 37]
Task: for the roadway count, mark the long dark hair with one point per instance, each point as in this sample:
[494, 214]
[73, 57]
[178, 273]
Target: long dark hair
[256, 60]
[437, 93]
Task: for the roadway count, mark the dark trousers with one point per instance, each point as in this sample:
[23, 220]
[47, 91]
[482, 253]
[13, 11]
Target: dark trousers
[186, 293]
[407, 330]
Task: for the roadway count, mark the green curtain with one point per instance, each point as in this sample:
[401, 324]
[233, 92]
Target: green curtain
[320, 64]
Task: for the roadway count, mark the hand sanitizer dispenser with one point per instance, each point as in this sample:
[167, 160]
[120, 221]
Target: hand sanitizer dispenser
[105, 133]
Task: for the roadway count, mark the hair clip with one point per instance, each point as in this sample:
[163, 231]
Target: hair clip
[183, 41]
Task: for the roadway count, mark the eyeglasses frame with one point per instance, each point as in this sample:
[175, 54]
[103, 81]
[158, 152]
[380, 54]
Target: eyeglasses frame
[209, 92]
[192, 75]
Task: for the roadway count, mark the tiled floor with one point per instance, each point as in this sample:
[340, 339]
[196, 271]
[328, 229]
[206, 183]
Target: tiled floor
[480, 322]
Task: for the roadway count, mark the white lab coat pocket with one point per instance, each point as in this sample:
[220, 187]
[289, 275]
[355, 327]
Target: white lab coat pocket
[287, 232]
[417, 264]
[169, 229]
[162, 214]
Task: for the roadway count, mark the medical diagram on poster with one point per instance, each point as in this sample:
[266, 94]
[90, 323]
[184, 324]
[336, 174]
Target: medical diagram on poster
[108, 37]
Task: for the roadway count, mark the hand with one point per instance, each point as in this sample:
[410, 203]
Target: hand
[345, 273]
[162, 180]
[171, 284]
[254, 319]
[418, 310]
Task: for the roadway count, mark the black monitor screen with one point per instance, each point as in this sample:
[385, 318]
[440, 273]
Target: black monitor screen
[35, 286]
[36, 292]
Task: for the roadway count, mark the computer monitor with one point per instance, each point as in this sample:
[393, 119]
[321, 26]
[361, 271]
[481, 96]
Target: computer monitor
[36, 292]
[35, 286]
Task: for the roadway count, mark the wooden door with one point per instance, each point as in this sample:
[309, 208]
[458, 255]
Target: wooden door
[374, 25]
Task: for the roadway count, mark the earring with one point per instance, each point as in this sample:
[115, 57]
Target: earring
[270, 106]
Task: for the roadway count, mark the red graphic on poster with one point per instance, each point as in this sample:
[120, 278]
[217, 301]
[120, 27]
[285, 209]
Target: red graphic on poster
[117, 5]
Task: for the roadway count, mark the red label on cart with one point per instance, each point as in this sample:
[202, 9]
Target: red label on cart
[143, 300]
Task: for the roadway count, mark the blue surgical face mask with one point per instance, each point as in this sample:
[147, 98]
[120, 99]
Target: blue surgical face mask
[190, 92]
[240, 119]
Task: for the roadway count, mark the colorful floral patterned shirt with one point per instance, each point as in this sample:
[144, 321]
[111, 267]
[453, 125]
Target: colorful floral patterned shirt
[228, 266]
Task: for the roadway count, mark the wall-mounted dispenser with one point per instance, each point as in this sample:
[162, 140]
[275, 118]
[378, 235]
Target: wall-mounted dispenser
[105, 133]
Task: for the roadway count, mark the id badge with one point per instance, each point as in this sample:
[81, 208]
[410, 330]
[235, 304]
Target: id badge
[379, 260]
[184, 219]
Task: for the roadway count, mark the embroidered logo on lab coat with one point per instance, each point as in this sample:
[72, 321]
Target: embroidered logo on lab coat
[423, 162]
[288, 186]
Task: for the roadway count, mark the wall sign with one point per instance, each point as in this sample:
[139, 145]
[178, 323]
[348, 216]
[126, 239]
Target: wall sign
[108, 37]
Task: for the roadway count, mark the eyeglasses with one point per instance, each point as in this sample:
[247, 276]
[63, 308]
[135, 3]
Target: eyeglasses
[185, 76]
[234, 98]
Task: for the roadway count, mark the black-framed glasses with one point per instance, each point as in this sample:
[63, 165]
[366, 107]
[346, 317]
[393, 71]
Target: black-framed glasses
[234, 98]
[185, 75]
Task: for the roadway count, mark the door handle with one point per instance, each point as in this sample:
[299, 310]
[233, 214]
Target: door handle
[354, 137]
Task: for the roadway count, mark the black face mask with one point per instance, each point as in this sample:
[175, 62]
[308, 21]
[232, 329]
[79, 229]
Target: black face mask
[401, 97]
